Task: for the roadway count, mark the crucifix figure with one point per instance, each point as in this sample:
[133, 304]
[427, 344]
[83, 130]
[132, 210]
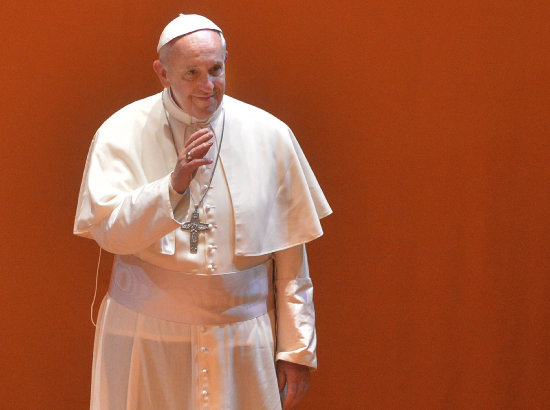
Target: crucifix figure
[194, 227]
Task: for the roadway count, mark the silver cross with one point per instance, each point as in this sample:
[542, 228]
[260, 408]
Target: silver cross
[195, 226]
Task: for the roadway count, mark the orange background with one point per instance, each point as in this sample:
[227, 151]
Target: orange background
[427, 125]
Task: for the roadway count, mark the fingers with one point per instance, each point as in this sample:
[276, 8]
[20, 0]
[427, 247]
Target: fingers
[294, 393]
[196, 140]
[192, 166]
[296, 379]
[290, 398]
[198, 134]
[197, 152]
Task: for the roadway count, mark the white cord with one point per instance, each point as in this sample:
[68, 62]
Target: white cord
[95, 290]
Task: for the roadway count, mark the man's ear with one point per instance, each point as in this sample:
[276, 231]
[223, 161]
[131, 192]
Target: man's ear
[161, 73]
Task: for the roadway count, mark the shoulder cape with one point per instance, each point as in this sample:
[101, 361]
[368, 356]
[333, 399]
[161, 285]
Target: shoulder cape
[277, 201]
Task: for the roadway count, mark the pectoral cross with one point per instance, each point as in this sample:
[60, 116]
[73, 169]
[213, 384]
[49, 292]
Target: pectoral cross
[195, 226]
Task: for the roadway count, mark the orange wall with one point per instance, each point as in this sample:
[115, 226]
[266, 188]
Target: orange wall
[427, 125]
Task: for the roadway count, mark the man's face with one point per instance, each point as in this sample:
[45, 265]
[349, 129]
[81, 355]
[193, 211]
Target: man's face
[194, 69]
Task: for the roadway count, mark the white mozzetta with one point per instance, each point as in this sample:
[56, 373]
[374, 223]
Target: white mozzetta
[277, 202]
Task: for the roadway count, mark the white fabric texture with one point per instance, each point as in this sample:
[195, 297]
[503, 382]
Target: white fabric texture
[146, 363]
[126, 205]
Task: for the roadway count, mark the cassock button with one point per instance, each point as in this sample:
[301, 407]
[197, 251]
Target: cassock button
[204, 392]
[212, 267]
[203, 349]
[204, 371]
[211, 248]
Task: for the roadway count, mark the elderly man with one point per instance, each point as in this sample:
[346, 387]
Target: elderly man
[207, 203]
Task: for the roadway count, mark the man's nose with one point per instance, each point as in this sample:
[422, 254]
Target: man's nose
[206, 83]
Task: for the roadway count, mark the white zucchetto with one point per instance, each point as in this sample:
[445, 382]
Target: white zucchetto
[185, 24]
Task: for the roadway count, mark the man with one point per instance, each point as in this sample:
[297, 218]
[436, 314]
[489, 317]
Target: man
[207, 203]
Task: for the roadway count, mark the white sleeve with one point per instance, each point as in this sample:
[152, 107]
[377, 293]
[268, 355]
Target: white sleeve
[143, 216]
[296, 337]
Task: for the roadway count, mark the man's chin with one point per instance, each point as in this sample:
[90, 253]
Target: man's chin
[203, 113]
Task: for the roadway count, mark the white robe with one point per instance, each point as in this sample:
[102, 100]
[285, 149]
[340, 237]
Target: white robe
[264, 202]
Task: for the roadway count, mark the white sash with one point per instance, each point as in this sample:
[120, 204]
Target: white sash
[190, 298]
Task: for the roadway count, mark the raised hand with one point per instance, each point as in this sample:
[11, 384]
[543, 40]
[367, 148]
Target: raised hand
[190, 158]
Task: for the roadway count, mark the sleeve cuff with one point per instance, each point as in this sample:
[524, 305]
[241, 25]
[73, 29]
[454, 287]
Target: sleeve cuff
[305, 358]
[175, 196]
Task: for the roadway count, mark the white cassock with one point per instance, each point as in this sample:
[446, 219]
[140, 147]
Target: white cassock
[186, 331]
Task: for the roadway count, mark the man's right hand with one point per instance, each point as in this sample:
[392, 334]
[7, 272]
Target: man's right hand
[197, 146]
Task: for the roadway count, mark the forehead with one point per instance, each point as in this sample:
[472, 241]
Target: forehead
[198, 46]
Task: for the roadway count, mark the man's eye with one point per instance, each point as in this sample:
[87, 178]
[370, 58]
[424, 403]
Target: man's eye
[190, 74]
[216, 70]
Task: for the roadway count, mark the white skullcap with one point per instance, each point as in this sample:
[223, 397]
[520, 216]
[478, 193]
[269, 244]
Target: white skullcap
[185, 24]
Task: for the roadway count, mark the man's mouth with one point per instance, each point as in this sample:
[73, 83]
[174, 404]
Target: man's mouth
[204, 97]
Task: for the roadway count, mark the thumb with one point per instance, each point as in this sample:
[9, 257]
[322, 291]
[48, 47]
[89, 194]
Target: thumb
[281, 378]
